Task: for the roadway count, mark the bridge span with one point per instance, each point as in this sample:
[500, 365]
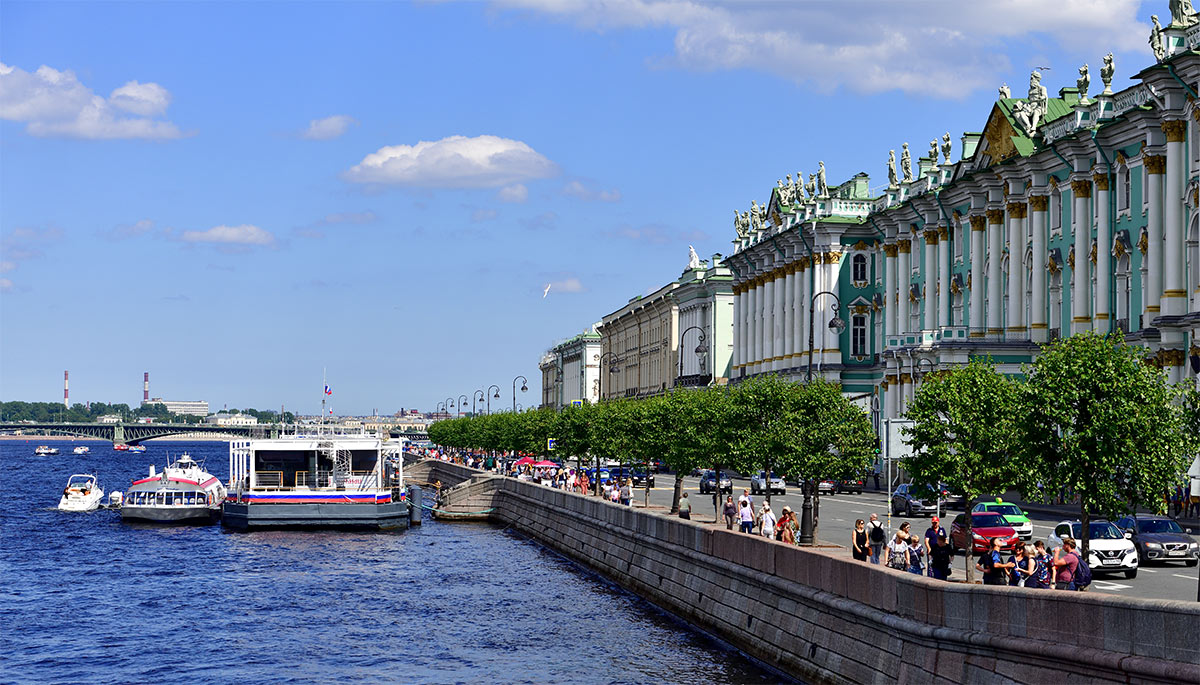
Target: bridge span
[136, 433]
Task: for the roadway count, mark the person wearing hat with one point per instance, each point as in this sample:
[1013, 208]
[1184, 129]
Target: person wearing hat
[931, 534]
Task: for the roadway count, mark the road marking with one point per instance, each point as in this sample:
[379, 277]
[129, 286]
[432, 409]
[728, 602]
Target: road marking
[842, 520]
[857, 511]
[1180, 575]
[1148, 570]
[1107, 586]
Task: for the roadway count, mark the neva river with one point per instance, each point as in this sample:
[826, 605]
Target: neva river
[85, 598]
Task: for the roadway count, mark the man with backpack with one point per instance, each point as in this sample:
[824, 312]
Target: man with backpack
[876, 536]
[991, 562]
[1073, 573]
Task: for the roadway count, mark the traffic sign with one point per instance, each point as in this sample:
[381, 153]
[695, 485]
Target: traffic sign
[576, 403]
[549, 444]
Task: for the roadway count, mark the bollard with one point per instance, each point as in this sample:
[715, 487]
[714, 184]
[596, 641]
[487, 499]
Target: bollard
[414, 505]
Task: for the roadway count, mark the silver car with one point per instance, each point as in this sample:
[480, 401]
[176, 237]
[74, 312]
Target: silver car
[760, 483]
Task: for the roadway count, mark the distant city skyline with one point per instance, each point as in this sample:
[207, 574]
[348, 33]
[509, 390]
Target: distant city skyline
[385, 190]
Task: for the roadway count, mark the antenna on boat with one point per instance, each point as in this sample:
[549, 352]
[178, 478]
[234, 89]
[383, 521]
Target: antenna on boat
[324, 386]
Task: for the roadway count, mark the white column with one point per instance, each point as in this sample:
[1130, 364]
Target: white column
[737, 331]
[889, 292]
[903, 278]
[777, 320]
[789, 317]
[891, 396]
[1156, 166]
[931, 279]
[752, 328]
[833, 340]
[1174, 296]
[1037, 303]
[978, 232]
[943, 300]
[768, 321]
[995, 291]
[1081, 284]
[1100, 320]
[806, 291]
[1016, 269]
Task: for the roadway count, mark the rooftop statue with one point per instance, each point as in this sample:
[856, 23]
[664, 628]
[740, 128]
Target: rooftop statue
[791, 190]
[822, 188]
[1156, 41]
[693, 258]
[933, 152]
[1182, 14]
[1005, 93]
[1082, 83]
[1106, 73]
[892, 169]
[906, 164]
[756, 216]
[741, 223]
[1038, 101]
[811, 186]
[800, 187]
[1021, 113]
[781, 193]
[947, 147]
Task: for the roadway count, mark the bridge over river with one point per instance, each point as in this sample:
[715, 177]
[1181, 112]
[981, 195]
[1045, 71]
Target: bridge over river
[136, 433]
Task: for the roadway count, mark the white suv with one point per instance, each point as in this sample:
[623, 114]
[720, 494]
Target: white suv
[1110, 551]
[758, 484]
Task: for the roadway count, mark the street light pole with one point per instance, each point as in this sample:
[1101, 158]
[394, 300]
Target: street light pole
[462, 403]
[524, 388]
[701, 350]
[612, 368]
[810, 510]
[489, 399]
[835, 325]
[476, 397]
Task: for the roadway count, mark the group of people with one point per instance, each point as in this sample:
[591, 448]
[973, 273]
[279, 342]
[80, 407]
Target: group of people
[762, 521]
[1180, 502]
[932, 554]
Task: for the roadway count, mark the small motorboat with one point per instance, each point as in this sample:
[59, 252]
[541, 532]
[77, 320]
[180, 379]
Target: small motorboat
[82, 449]
[45, 451]
[135, 448]
[183, 493]
[81, 494]
[120, 447]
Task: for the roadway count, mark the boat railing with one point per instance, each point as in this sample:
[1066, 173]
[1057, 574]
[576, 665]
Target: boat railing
[325, 479]
[268, 479]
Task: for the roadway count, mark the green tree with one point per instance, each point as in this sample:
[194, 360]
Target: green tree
[694, 430]
[763, 411]
[1104, 425]
[964, 433]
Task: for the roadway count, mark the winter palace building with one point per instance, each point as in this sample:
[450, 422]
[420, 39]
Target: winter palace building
[1065, 214]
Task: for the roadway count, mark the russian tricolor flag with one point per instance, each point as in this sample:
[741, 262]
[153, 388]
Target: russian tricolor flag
[328, 391]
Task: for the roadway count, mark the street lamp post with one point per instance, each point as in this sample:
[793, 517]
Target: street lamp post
[476, 397]
[701, 351]
[496, 396]
[462, 403]
[810, 509]
[524, 388]
[612, 369]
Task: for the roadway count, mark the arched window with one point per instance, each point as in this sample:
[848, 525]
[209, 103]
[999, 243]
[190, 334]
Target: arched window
[1124, 188]
[1056, 211]
[1123, 291]
[858, 335]
[859, 268]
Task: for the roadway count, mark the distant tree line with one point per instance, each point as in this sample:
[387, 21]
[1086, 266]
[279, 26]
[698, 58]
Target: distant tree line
[53, 412]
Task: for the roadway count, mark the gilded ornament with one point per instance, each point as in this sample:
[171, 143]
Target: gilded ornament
[978, 222]
[1017, 210]
[860, 245]
[943, 233]
[1101, 181]
[931, 236]
[904, 246]
[1143, 242]
[1081, 188]
[889, 249]
[1071, 257]
[1092, 253]
[1155, 164]
[1039, 203]
[995, 216]
[1175, 130]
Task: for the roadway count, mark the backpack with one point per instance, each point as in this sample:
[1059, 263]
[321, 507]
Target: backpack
[876, 534]
[1083, 573]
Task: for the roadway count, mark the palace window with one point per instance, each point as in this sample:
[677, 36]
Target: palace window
[1123, 189]
[1123, 293]
[858, 335]
[958, 239]
[1056, 300]
[1056, 211]
[859, 268]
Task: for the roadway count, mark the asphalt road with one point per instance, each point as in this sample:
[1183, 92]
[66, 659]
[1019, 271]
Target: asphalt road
[838, 513]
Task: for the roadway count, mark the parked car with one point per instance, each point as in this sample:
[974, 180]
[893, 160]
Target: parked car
[759, 484]
[1011, 513]
[708, 482]
[642, 479]
[985, 526]
[912, 500]
[605, 476]
[1159, 538]
[952, 499]
[1109, 550]
[636, 475]
[853, 484]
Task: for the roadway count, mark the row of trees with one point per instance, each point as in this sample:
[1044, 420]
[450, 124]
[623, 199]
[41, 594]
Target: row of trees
[765, 423]
[1089, 419]
[53, 412]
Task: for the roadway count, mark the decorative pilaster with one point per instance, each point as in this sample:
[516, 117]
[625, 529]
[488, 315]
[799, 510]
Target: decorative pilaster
[1100, 320]
[1081, 295]
[943, 290]
[995, 292]
[806, 291]
[903, 279]
[889, 290]
[978, 233]
[1156, 168]
[931, 279]
[1017, 211]
[789, 316]
[736, 360]
[1038, 313]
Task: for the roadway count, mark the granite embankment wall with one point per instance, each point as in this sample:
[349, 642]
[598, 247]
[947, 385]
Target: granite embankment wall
[828, 619]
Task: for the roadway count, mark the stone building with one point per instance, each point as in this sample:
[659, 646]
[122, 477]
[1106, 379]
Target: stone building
[1065, 214]
[571, 370]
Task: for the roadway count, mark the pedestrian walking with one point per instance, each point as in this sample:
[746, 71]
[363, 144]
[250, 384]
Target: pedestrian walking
[746, 516]
[627, 493]
[916, 555]
[876, 536]
[730, 511]
[941, 555]
[933, 532]
[767, 521]
[897, 553]
[685, 507]
[858, 541]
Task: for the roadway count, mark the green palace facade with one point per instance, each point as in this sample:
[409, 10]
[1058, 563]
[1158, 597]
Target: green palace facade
[1063, 214]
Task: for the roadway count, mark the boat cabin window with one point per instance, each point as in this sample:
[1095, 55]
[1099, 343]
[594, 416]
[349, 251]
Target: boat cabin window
[158, 497]
[305, 468]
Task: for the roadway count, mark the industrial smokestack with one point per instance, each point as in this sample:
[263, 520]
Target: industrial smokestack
[66, 390]
[146, 387]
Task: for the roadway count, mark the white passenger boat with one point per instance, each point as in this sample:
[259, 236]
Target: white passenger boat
[183, 493]
[45, 451]
[82, 449]
[81, 494]
[316, 477]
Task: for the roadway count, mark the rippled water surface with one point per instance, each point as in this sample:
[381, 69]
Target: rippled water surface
[86, 598]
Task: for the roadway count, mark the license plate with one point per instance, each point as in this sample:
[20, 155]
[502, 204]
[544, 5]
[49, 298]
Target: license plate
[1175, 553]
[1111, 562]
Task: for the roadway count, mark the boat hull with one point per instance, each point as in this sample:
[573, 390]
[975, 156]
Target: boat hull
[196, 516]
[315, 515]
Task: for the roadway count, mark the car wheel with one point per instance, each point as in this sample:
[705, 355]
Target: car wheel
[908, 511]
[1190, 562]
[1131, 573]
[784, 492]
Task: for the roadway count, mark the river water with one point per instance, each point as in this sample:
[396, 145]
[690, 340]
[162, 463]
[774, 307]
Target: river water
[86, 598]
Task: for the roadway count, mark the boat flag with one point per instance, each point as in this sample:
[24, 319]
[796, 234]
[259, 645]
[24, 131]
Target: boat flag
[328, 391]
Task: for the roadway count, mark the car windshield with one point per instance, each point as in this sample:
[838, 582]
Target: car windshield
[1006, 509]
[921, 493]
[987, 520]
[1099, 531]
[1159, 526]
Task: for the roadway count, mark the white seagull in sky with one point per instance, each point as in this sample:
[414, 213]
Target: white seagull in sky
[546, 291]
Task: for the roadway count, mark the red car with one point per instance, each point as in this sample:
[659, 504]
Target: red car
[984, 527]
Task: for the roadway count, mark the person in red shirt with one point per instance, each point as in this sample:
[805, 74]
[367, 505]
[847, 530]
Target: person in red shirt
[1066, 561]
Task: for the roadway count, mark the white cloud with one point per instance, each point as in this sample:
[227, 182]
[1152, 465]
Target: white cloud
[230, 235]
[22, 244]
[579, 191]
[454, 162]
[329, 127]
[483, 215]
[5, 267]
[54, 103]
[943, 48]
[513, 193]
[5, 284]
[566, 285]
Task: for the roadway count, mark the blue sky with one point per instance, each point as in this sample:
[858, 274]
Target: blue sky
[234, 197]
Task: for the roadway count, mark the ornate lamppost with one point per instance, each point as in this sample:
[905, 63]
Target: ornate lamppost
[612, 369]
[462, 403]
[808, 510]
[701, 351]
[490, 397]
[524, 388]
[476, 397]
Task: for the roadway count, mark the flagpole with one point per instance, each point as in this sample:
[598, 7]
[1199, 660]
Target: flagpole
[324, 381]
